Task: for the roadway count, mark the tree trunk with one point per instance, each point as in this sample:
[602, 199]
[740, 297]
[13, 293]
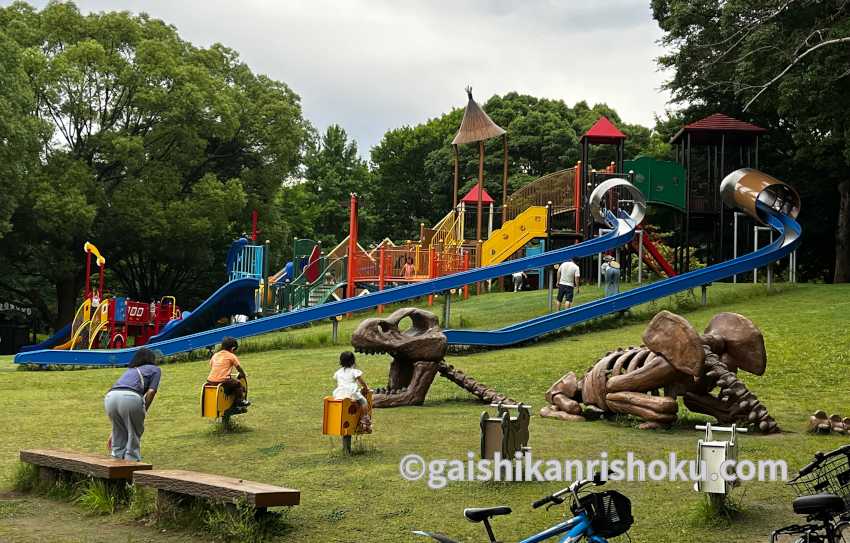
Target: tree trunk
[66, 300]
[842, 235]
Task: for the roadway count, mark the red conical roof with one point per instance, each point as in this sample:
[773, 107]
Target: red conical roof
[716, 124]
[603, 131]
[472, 197]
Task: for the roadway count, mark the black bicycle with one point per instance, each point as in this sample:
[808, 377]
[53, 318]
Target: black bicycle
[823, 490]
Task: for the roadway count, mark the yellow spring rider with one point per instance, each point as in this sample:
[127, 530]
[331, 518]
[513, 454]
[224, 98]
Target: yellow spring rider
[215, 404]
[342, 418]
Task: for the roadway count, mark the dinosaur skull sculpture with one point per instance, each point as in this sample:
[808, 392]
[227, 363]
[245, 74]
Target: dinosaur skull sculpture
[417, 353]
[674, 361]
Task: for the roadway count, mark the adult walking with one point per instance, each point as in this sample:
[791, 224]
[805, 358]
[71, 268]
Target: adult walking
[568, 282]
[128, 401]
[611, 273]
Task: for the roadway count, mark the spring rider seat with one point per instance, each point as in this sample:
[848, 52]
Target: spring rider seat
[216, 404]
[342, 418]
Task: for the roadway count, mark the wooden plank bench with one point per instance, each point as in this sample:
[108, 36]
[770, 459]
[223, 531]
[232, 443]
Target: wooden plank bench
[170, 482]
[54, 464]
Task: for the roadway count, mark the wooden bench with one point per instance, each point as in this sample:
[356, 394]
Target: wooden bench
[55, 464]
[174, 483]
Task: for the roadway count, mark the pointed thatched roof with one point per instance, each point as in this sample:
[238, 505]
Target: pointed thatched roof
[476, 125]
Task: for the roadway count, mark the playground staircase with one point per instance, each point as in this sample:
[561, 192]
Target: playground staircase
[514, 234]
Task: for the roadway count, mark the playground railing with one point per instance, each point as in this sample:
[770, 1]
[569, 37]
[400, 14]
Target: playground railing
[248, 264]
[557, 188]
[449, 232]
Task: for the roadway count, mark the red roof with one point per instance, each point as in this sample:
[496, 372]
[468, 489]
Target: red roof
[718, 123]
[603, 131]
[472, 197]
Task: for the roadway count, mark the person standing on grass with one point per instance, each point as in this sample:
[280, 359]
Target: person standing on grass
[128, 402]
[222, 364]
[568, 282]
[611, 272]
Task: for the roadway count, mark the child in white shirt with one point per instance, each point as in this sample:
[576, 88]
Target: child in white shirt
[350, 384]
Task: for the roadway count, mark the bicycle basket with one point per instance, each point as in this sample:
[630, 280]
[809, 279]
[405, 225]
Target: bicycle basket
[829, 473]
[610, 512]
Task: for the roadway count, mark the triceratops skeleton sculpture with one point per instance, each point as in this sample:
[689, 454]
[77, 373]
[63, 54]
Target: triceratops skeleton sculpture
[679, 362]
[417, 355]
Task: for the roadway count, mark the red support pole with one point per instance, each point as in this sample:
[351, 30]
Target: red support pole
[100, 286]
[432, 271]
[381, 276]
[88, 274]
[352, 244]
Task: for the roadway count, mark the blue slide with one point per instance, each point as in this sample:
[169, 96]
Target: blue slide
[619, 235]
[58, 338]
[622, 231]
[789, 237]
[234, 298]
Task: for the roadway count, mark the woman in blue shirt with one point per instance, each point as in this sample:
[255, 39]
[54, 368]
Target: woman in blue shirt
[127, 403]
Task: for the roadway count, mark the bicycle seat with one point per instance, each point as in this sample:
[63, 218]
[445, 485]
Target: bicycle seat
[818, 504]
[477, 514]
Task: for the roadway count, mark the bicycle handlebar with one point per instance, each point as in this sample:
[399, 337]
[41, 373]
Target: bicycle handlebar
[574, 488]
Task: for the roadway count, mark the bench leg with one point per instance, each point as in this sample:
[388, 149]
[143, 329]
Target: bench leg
[168, 503]
[51, 476]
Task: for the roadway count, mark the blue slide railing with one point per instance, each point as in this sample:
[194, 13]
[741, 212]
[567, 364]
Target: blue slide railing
[622, 232]
[789, 238]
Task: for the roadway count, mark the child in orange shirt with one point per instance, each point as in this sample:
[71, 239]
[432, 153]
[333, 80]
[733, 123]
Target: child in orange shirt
[221, 366]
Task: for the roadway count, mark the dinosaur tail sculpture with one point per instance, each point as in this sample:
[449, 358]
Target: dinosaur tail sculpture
[480, 390]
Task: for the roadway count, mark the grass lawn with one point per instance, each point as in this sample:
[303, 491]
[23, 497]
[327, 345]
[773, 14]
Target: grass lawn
[363, 498]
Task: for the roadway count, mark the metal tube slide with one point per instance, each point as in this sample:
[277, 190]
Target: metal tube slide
[776, 206]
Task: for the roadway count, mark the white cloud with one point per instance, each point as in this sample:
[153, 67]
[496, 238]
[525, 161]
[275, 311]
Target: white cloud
[373, 65]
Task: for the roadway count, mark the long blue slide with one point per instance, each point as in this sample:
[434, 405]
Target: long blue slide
[622, 231]
[621, 234]
[789, 238]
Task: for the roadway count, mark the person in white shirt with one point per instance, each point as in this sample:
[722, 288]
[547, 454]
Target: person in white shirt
[519, 279]
[568, 282]
[350, 384]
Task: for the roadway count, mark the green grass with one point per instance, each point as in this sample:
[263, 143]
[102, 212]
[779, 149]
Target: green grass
[363, 498]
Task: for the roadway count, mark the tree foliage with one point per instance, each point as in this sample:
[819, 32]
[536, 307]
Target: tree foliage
[414, 166]
[786, 65]
[156, 150]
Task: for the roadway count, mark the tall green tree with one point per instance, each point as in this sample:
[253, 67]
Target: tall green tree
[157, 152]
[783, 64]
[333, 170]
[414, 166]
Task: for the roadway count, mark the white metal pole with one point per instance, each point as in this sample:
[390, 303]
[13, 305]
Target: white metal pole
[490, 222]
[756, 248]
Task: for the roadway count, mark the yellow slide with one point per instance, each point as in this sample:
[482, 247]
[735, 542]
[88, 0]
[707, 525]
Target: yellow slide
[513, 235]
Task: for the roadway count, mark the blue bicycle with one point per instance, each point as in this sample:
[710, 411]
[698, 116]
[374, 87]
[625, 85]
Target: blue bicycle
[596, 515]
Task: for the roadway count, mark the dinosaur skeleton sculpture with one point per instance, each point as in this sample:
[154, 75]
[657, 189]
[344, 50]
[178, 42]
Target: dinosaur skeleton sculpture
[417, 355]
[679, 362]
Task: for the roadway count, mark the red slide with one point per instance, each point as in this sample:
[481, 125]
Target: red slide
[656, 254]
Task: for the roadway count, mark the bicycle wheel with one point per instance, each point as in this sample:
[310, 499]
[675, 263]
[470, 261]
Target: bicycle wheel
[842, 532]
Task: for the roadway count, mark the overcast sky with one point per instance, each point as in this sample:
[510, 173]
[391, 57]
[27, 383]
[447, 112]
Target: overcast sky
[373, 65]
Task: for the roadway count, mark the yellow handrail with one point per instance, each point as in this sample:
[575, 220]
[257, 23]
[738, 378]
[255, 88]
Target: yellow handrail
[90, 248]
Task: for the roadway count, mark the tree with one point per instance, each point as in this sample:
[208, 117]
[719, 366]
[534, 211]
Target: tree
[157, 152]
[784, 64]
[414, 166]
[333, 170]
